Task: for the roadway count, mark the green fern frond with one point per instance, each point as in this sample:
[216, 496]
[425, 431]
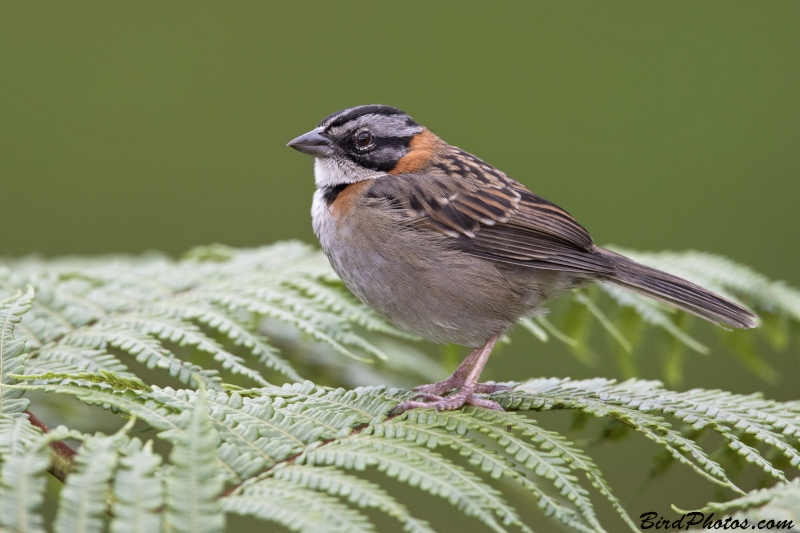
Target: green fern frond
[419, 467]
[145, 349]
[328, 334]
[83, 498]
[22, 487]
[12, 351]
[534, 329]
[140, 405]
[553, 458]
[721, 275]
[549, 395]
[227, 291]
[357, 491]
[288, 511]
[653, 313]
[253, 432]
[581, 517]
[88, 307]
[23, 474]
[185, 334]
[64, 358]
[601, 317]
[297, 507]
[297, 454]
[780, 502]
[633, 402]
[16, 435]
[334, 300]
[239, 334]
[305, 425]
[194, 482]
[112, 379]
[362, 404]
[138, 490]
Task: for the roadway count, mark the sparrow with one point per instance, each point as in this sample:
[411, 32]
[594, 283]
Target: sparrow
[450, 248]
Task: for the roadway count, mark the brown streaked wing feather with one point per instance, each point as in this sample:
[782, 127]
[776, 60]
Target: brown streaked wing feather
[490, 215]
[536, 214]
[452, 207]
[539, 234]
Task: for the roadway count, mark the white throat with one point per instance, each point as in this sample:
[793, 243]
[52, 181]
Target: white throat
[332, 171]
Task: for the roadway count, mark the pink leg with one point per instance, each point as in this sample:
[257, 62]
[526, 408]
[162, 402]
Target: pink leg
[465, 378]
[455, 380]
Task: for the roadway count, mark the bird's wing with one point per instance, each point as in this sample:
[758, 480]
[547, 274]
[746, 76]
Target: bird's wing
[490, 215]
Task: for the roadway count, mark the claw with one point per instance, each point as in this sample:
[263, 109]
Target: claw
[486, 404]
[465, 396]
[439, 388]
[489, 388]
[428, 397]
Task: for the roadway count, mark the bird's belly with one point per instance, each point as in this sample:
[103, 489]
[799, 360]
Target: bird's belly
[422, 285]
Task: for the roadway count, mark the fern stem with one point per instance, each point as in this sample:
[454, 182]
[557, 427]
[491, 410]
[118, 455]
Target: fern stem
[63, 455]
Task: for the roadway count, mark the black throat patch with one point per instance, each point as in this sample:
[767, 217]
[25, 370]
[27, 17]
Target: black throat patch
[330, 193]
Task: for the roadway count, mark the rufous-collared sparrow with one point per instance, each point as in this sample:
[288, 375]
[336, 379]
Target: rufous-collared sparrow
[448, 247]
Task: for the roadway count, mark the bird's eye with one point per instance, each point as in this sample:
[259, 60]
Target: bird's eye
[363, 139]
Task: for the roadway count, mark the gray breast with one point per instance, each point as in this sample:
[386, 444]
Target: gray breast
[420, 282]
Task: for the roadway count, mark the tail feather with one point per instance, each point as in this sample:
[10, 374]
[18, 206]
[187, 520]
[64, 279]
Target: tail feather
[677, 292]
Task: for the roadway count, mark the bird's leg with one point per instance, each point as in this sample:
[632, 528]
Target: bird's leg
[455, 380]
[472, 366]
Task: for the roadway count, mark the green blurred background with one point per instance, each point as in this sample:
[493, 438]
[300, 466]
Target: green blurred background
[126, 127]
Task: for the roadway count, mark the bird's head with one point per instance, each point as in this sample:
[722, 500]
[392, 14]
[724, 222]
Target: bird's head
[365, 142]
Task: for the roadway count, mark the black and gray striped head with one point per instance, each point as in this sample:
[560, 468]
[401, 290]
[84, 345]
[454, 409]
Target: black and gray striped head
[373, 136]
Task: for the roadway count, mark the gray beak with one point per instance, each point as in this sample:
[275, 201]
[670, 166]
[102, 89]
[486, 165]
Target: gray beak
[313, 143]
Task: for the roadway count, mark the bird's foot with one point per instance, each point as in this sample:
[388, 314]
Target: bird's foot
[440, 387]
[464, 396]
[446, 385]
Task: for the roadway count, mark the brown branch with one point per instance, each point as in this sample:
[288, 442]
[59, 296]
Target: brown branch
[63, 456]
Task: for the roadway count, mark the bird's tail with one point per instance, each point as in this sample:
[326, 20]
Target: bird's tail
[676, 292]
